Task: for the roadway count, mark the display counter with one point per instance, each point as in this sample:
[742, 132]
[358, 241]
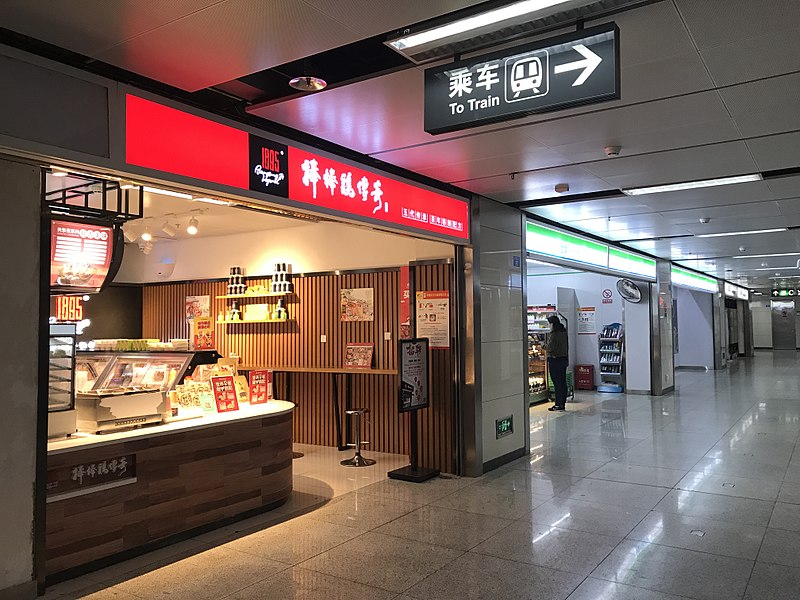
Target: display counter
[114, 495]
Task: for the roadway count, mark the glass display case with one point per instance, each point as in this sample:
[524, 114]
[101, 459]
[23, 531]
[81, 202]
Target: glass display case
[88, 367]
[61, 380]
[538, 327]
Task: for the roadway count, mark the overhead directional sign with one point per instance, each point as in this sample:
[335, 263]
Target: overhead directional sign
[784, 293]
[548, 75]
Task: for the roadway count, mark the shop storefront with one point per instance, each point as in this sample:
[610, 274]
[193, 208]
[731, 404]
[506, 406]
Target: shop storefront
[214, 301]
[739, 320]
[602, 294]
[693, 318]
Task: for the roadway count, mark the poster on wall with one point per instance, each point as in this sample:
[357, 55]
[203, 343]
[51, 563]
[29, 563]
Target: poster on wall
[260, 387]
[358, 355]
[413, 393]
[405, 303]
[587, 320]
[80, 255]
[197, 307]
[224, 389]
[203, 334]
[433, 318]
[357, 304]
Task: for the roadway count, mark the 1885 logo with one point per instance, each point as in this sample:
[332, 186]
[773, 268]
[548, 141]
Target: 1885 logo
[268, 167]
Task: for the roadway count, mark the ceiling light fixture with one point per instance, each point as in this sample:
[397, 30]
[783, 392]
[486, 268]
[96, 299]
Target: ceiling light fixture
[491, 17]
[752, 232]
[308, 84]
[768, 255]
[153, 190]
[56, 172]
[692, 185]
[207, 200]
[169, 229]
[768, 268]
[146, 235]
[192, 228]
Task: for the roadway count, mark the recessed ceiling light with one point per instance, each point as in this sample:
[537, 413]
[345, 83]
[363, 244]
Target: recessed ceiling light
[692, 185]
[153, 190]
[484, 19]
[146, 235]
[308, 84]
[770, 269]
[754, 231]
[768, 255]
[212, 201]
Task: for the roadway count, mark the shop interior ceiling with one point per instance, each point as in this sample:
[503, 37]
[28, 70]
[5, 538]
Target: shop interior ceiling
[709, 89]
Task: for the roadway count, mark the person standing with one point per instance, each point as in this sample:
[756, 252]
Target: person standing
[557, 360]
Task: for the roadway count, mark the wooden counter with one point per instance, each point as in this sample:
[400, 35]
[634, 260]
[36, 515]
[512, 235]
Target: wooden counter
[114, 495]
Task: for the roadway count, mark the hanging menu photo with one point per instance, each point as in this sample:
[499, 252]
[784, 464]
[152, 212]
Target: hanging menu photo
[80, 255]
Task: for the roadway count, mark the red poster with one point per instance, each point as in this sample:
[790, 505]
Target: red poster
[203, 334]
[80, 254]
[405, 303]
[260, 387]
[225, 393]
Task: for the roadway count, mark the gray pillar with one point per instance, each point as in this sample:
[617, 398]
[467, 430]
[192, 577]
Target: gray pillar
[662, 354]
[720, 329]
[19, 269]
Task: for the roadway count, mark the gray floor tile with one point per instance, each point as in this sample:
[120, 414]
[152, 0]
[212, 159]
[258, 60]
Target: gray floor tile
[545, 463]
[781, 547]
[445, 527]
[565, 549]
[785, 516]
[547, 484]
[746, 511]
[604, 519]
[773, 582]
[790, 493]
[195, 577]
[383, 561]
[738, 467]
[476, 577]
[363, 511]
[597, 589]
[627, 473]
[418, 493]
[302, 584]
[676, 571]
[701, 534]
[613, 492]
[741, 487]
[492, 501]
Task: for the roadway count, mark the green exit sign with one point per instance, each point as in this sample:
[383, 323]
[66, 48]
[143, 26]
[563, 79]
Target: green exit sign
[504, 426]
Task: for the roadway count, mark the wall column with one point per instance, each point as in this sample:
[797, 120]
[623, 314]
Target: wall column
[662, 354]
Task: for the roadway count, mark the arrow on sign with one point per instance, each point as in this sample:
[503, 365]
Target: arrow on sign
[588, 64]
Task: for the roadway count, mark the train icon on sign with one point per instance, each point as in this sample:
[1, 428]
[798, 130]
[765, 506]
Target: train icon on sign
[527, 75]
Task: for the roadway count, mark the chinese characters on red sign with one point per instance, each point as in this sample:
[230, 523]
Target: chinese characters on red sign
[260, 387]
[225, 393]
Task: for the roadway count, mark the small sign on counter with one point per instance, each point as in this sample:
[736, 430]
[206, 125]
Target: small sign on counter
[224, 389]
[260, 387]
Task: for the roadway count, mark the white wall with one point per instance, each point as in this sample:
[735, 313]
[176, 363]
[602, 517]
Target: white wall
[18, 369]
[762, 323]
[589, 288]
[695, 328]
[503, 336]
[312, 248]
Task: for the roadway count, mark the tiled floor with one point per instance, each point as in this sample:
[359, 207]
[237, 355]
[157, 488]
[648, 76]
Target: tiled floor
[692, 495]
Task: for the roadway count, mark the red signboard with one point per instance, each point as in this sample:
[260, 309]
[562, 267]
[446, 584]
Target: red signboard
[260, 387]
[172, 141]
[80, 255]
[224, 389]
[69, 308]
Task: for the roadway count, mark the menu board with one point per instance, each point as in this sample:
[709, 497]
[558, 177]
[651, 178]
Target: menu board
[433, 318]
[80, 255]
[260, 387]
[413, 393]
[203, 334]
[224, 389]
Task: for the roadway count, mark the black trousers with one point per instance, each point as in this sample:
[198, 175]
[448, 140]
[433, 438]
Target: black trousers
[558, 373]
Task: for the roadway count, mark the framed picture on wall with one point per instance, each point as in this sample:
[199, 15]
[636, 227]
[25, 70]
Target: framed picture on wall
[357, 304]
[358, 355]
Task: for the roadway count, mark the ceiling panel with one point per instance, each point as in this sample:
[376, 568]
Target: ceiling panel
[789, 207]
[673, 248]
[776, 151]
[785, 187]
[713, 23]
[731, 158]
[737, 223]
[536, 157]
[723, 212]
[533, 186]
[609, 207]
[764, 107]
[754, 58]
[727, 195]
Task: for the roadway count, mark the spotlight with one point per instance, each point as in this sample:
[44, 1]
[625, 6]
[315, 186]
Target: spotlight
[169, 229]
[146, 235]
[147, 247]
[308, 84]
[192, 228]
[56, 172]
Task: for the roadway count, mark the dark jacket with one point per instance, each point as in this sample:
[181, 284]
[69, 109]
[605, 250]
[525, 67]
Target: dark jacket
[557, 344]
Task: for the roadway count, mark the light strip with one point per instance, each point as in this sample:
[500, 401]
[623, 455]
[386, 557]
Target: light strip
[772, 268]
[692, 185]
[153, 190]
[212, 201]
[710, 235]
[767, 255]
[476, 22]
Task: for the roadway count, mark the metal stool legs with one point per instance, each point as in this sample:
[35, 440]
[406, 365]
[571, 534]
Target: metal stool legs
[358, 460]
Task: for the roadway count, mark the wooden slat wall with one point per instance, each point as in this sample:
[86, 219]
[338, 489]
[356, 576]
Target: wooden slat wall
[315, 307]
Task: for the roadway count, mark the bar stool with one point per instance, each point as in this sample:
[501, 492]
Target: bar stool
[358, 460]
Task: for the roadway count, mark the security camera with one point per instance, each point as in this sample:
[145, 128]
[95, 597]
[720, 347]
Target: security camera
[612, 150]
[705, 219]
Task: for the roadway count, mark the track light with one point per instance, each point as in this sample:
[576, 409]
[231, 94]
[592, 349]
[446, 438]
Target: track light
[169, 229]
[192, 228]
[146, 247]
[146, 235]
[129, 234]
